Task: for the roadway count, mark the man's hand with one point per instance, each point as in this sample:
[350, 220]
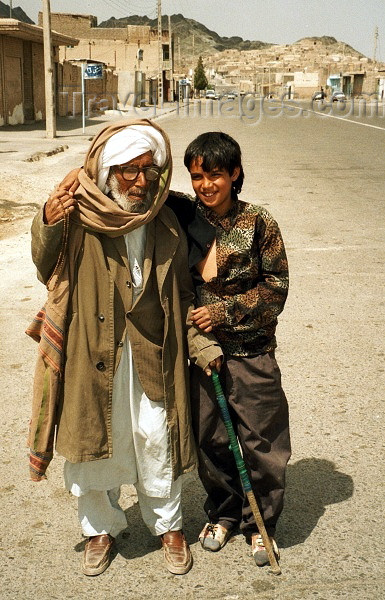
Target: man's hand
[70, 181]
[215, 365]
[201, 317]
[61, 200]
[57, 205]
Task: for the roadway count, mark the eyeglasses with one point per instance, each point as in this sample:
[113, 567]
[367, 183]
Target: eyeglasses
[130, 173]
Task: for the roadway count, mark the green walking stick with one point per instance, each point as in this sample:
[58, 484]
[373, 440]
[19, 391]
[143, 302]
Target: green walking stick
[243, 473]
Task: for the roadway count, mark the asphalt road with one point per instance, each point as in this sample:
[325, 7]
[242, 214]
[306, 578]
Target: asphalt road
[322, 177]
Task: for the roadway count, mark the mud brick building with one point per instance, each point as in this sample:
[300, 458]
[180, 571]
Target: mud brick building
[131, 51]
[22, 88]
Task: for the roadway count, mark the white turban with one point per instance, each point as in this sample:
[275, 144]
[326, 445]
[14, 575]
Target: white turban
[129, 143]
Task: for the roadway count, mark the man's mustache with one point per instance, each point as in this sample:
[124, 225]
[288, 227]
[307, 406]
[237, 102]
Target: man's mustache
[137, 192]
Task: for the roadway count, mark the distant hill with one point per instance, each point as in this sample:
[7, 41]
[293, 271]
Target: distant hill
[195, 38]
[17, 13]
[332, 43]
[191, 34]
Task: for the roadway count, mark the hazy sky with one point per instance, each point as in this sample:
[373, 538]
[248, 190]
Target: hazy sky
[276, 21]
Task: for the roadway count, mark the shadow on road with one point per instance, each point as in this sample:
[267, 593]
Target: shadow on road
[137, 541]
[312, 484]
[134, 541]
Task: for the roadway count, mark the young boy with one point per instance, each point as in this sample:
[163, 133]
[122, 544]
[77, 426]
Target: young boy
[239, 266]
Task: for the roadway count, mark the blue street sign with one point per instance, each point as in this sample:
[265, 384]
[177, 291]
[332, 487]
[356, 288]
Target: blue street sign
[93, 71]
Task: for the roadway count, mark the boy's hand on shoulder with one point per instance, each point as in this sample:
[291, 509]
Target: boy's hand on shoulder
[201, 317]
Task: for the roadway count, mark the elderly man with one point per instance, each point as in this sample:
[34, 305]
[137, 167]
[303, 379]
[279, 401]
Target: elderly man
[111, 375]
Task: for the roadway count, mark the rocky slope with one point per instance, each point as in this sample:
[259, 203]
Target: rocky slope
[17, 13]
[190, 32]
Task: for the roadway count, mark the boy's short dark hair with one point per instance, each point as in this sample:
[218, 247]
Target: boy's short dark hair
[218, 151]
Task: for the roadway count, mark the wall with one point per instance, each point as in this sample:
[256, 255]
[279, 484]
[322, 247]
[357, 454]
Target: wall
[116, 47]
[12, 63]
[306, 84]
[100, 94]
[120, 55]
[2, 99]
[22, 85]
[38, 81]
[126, 87]
[69, 24]
[29, 111]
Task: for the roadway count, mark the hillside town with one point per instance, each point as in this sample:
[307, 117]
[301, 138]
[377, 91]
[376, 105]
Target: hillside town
[139, 64]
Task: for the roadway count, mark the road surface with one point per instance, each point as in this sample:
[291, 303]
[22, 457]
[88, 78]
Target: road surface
[323, 180]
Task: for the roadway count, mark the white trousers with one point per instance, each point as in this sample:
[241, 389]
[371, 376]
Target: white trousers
[141, 454]
[141, 449]
[100, 512]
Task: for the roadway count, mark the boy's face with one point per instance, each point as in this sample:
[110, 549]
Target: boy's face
[213, 188]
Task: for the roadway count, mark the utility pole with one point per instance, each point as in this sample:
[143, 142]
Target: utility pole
[193, 52]
[50, 113]
[375, 44]
[171, 60]
[10, 9]
[160, 55]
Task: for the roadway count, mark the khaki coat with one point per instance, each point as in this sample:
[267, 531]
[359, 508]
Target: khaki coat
[101, 313]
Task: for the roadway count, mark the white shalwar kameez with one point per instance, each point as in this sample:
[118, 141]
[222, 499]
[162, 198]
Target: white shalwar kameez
[141, 450]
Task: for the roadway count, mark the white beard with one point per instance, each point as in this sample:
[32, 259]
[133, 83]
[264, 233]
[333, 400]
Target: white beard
[123, 199]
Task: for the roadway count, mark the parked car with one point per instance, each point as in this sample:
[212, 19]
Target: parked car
[210, 94]
[231, 95]
[319, 95]
[338, 97]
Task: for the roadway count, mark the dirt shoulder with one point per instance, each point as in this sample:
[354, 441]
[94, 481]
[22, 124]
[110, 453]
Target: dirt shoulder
[26, 184]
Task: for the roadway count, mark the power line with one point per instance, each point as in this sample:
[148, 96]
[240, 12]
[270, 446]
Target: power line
[179, 8]
[132, 6]
[144, 7]
[115, 5]
[126, 11]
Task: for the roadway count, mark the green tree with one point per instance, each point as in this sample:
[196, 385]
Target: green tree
[200, 79]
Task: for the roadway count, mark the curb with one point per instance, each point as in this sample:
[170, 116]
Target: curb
[38, 155]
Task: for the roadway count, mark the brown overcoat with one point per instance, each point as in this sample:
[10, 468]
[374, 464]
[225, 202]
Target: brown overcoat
[100, 314]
